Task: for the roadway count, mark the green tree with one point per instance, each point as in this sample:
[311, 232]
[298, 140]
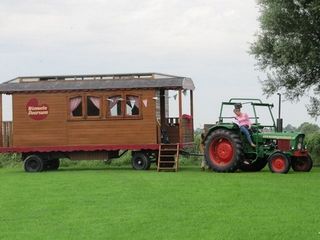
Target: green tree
[290, 128]
[308, 128]
[313, 144]
[287, 48]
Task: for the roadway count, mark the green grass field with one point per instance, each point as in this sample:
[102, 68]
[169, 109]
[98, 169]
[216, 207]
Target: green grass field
[120, 203]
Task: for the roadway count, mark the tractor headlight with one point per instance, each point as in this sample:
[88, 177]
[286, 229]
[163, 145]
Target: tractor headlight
[299, 146]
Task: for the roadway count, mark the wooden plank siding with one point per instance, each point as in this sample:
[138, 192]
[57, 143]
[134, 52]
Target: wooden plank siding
[58, 129]
[1, 137]
[6, 134]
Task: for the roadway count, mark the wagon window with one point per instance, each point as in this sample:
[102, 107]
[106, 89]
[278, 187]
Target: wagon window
[114, 103]
[75, 106]
[132, 105]
[93, 106]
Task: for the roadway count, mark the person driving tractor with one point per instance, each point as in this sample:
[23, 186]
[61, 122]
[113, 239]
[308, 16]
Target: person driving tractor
[244, 123]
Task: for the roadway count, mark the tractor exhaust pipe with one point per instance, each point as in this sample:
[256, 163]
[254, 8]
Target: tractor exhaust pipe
[279, 120]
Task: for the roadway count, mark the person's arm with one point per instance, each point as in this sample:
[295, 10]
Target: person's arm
[236, 121]
[248, 120]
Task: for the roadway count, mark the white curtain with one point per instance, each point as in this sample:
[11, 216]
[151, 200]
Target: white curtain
[95, 101]
[113, 101]
[133, 99]
[74, 103]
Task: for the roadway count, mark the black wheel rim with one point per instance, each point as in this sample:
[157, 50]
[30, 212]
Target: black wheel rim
[139, 163]
[32, 165]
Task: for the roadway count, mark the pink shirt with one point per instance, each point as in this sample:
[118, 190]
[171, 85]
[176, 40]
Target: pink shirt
[243, 119]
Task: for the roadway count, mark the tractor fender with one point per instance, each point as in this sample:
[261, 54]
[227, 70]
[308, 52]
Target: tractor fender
[230, 127]
[278, 151]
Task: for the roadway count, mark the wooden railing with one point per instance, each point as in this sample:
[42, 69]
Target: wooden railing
[172, 121]
[186, 128]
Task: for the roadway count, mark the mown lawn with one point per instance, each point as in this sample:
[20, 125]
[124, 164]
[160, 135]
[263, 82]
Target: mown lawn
[120, 203]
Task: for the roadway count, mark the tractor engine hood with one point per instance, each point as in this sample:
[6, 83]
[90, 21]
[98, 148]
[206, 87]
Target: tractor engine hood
[281, 135]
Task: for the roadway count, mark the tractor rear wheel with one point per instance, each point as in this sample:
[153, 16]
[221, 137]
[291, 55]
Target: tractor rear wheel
[33, 163]
[223, 150]
[140, 161]
[255, 166]
[302, 164]
[279, 163]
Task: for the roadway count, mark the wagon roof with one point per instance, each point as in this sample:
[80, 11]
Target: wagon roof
[96, 82]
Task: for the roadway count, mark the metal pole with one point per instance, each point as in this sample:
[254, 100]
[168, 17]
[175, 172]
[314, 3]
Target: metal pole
[279, 120]
[279, 94]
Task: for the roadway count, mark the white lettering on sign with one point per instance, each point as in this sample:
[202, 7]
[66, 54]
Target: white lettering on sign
[43, 110]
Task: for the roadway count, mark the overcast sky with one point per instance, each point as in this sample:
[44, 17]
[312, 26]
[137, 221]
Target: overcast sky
[207, 40]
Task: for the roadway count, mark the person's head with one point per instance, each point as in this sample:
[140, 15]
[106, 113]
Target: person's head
[237, 108]
[237, 111]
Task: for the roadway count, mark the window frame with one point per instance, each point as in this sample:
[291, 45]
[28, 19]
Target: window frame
[104, 106]
[139, 116]
[70, 116]
[107, 108]
[86, 116]
[124, 115]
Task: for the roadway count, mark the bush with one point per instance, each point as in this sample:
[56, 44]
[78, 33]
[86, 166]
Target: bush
[10, 160]
[122, 161]
[313, 144]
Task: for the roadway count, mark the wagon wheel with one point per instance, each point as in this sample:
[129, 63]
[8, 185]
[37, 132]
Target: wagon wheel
[33, 163]
[140, 161]
[279, 163]
[302, 164]
[53, 164]
[223, 151]
[255, 166]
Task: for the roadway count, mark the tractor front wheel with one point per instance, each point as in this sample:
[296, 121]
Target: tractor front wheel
[279, 163]
[302, 164]
[223, 150]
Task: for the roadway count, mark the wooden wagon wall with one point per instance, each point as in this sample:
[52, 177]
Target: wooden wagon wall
[57, 130]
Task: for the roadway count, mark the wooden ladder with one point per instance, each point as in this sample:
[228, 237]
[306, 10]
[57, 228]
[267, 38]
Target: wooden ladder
[168, 157]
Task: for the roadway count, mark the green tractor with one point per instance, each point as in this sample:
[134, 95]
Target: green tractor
[227, 150]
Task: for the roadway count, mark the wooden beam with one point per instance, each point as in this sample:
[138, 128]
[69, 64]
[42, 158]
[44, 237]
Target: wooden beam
[191, 103]
[180, 116]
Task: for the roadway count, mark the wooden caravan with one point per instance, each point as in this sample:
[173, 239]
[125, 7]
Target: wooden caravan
[96, 117]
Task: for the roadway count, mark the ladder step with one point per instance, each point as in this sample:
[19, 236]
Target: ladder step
[167, 155]
[168, 158]
[167, 149]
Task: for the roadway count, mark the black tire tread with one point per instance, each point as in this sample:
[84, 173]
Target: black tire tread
[35, 159]
[294, 164]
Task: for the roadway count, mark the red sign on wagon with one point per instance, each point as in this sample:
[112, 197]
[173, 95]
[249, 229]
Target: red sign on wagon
[36, 111]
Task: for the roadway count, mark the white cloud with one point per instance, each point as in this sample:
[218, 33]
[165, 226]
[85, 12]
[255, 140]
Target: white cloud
[171, 26]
